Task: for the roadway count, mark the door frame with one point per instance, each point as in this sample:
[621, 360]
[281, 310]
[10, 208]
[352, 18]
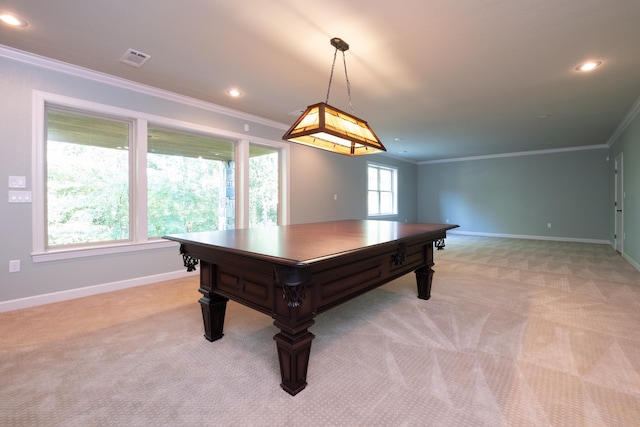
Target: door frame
[618, 204]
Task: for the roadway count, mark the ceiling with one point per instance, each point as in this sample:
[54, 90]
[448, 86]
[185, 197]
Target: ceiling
[435, 79]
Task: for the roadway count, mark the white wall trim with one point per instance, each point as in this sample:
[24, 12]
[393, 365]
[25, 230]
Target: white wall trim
[632, 262]
[138, 242]
[517, 154]
[85, 73]
[70, 294]
[530, 237]
[635, 264]
[631, 115]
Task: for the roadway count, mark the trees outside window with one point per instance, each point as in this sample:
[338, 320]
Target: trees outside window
[190, 183]
[87, 185]
[119, 179]
[264, 182]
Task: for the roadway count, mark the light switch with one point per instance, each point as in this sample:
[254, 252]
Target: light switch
[17, 182]
[19, 196]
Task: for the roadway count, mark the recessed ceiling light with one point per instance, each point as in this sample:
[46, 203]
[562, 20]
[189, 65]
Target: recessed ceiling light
[12, 20]
[589, 66]
[234, 92]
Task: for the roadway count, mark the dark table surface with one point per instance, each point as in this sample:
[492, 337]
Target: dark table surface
[307, 243]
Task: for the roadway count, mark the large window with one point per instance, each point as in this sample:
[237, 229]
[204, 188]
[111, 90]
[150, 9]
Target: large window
[264, 181]
[87, 179]
[382, 190]
[190, 183]
[112, 178]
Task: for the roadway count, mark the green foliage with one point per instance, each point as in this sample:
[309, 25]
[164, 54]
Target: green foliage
[263, 190]
[87, 194]
[89, 199]
[185, 194]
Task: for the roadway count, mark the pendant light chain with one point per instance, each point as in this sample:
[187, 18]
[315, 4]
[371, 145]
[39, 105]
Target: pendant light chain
[344, 60]
[331, 76]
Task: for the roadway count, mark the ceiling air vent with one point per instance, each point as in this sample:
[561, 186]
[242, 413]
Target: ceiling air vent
[134, 58]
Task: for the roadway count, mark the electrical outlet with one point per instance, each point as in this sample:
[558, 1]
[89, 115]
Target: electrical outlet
[14, 266]
[548, 225]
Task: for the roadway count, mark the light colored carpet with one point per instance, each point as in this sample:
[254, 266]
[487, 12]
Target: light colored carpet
[517, 332]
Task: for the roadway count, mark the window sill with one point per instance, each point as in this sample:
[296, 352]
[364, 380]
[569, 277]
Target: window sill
[62, 254]
[385, 216]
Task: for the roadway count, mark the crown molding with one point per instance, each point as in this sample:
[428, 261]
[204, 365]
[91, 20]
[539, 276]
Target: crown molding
[631, 115]
[517, 154]
[86, 73]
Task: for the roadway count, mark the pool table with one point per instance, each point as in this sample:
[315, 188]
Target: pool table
[294, 272]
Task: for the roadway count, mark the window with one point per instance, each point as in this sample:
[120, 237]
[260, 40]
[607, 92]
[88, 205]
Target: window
[190, 183]
[87, 185]
[264, 181]
[382, 194]
[109, 180]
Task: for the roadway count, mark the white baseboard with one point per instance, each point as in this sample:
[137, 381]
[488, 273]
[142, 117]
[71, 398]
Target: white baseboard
[525, 236]
[36, 300]
[634, 263]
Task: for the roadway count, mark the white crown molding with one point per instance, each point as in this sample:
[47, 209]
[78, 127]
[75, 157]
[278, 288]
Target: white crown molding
[517, 154]
[399, 158]
[631, 115]
[85, 73]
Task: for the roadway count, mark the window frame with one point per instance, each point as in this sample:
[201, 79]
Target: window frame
[394, 190]
[130, 167]
[138, 184]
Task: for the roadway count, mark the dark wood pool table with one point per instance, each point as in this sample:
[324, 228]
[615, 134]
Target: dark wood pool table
[294, 272]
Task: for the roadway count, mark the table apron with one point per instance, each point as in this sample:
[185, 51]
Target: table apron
[254, 282]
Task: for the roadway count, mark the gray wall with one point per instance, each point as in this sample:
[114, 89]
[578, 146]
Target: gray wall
[318, 175]
[628, 143]
[315, 177]
[507, 195]
[520, 195]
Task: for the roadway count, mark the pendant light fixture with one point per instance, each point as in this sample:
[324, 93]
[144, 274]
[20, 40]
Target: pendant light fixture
[326, 127]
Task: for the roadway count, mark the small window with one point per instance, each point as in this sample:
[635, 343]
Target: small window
[382, 195]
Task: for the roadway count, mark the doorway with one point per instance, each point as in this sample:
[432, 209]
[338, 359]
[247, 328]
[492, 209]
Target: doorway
[619, 205]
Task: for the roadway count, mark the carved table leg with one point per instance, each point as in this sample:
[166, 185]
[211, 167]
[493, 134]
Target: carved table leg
[293, 314]
[294, 348]
[424, 275]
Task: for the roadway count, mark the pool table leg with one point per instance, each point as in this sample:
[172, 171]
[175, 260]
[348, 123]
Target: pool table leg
[213, 305]
[424, 275]
[294, 348]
